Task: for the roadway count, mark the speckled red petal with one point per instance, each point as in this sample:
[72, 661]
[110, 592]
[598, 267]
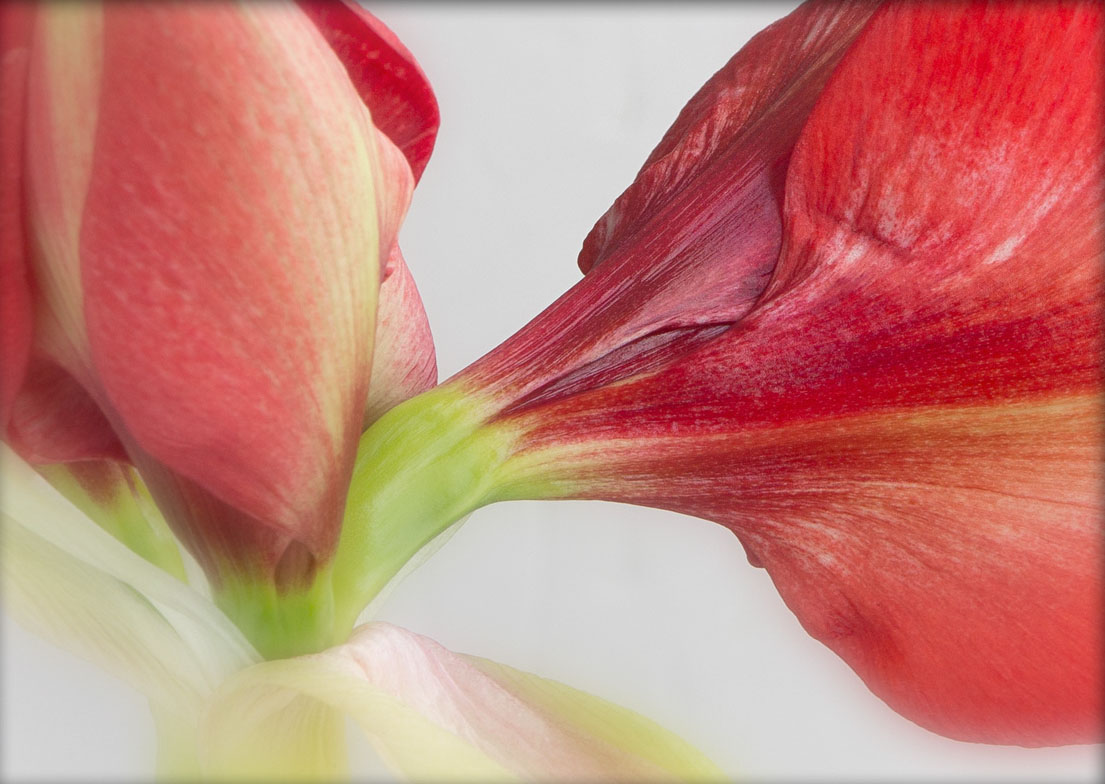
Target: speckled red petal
[229, 259]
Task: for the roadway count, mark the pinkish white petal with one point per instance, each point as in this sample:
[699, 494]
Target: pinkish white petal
[435, 715]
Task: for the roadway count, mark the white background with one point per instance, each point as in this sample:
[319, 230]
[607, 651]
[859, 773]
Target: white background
[547, 114]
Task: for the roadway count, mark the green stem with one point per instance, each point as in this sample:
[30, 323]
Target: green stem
[282, 623]
[422, 467]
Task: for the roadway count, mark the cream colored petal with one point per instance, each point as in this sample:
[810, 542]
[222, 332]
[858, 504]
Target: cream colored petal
[68, 580]
[433, 715]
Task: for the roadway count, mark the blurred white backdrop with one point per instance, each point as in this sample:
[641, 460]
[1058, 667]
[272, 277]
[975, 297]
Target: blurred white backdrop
[547, 112]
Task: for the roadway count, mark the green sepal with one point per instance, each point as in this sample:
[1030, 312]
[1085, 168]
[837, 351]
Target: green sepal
[282, 622]
[114, 496]
[420, 469]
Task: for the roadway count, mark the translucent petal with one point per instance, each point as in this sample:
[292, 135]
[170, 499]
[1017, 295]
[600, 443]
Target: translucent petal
[433, 715]
[70, 581]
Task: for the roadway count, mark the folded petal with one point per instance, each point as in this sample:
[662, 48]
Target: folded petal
[394, 186]
[385, 73]
[64, 88]
[691, 244]
[434, 715]
[55, 420]
[55, 416]
[405, 112]
[404, 362]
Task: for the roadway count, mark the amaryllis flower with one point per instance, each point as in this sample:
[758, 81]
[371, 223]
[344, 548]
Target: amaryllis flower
[204, 305]
[201, 274]
[850, 309]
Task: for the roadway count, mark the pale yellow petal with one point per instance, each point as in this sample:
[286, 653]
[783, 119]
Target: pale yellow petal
[71, 582]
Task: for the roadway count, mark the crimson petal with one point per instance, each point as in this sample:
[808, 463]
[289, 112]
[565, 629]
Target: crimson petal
[15, 304]
[385, 74]
[690, 245]
[905, 427]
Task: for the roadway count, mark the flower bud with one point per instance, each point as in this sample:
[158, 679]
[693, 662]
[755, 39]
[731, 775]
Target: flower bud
[211, 195]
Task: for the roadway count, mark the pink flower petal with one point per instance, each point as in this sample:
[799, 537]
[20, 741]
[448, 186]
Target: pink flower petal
[436, 715]
[404, 362]
[691, 243]
[228, 267]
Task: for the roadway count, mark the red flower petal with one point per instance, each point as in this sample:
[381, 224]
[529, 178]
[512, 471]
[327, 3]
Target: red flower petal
[404, 111]
[691, 244]
[962, 236]
[385, 73]
[15, 306]
[54, 420]
[905, 429]
[737, 131]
